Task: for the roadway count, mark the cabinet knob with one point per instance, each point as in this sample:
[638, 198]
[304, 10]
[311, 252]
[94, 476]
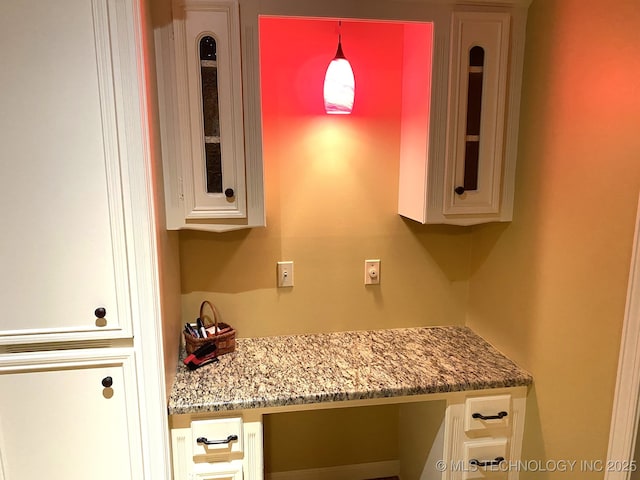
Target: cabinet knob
[107, 382]
[100, 312]
[459, 190]
[229, 193]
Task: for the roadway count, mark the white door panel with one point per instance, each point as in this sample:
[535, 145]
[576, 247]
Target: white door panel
[58, 421]
[62, 250]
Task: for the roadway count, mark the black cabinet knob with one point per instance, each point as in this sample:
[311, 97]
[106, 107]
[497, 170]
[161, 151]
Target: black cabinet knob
[107, 382]
[229, 193]
[459, 190]
[100, 312]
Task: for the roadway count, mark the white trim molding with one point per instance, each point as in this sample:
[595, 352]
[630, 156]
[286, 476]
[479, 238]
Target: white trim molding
[624, 420]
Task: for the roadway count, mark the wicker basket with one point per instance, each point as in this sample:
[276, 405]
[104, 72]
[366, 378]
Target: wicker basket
[224, 338]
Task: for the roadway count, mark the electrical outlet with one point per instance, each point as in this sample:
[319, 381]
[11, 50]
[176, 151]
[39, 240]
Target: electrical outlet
[285, 274]
[372, 272]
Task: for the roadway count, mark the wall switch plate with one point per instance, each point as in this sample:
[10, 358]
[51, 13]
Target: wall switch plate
[372, 272]
[285, 274]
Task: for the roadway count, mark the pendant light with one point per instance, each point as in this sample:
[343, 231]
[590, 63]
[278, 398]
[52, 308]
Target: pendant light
[339, 83]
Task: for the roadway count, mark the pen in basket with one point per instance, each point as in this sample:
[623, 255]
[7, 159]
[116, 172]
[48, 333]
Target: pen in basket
[189, 330]
[201, 329]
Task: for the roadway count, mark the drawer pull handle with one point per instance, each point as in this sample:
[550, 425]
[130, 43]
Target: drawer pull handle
[499, 416]
[227, 440]
[488, 463]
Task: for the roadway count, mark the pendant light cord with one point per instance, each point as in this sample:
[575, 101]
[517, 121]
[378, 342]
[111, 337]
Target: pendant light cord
[339, 53]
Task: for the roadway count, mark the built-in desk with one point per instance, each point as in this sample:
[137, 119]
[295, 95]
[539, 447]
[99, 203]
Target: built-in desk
[484, 392]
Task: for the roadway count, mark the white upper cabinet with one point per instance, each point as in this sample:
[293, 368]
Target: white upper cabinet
[65, 137]
[478, 79]
[460, 170]
[212, 156]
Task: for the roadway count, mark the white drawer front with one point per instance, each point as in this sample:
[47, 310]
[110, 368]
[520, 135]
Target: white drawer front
[218, 471]
[219, 438]
[484, 413]
[485, 458]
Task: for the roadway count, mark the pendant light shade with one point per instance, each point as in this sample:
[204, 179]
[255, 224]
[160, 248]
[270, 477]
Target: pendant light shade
[339, 84]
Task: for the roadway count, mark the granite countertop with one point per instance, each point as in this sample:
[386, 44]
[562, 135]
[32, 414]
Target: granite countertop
[302, 369]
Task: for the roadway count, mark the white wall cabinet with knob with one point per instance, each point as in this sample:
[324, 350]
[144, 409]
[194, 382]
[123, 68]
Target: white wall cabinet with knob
[458, 157]
[79, 287]
[210, 113]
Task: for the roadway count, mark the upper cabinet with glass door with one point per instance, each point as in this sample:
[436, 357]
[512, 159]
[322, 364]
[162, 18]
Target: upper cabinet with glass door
[467, 177]
[212, 155]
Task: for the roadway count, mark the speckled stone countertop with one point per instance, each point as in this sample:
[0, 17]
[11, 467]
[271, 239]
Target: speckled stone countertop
[302, 369]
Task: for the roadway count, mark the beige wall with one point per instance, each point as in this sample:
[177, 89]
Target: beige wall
[327, 438]
[549, 288]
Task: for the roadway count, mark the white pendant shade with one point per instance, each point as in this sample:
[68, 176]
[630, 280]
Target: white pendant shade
[339, 87]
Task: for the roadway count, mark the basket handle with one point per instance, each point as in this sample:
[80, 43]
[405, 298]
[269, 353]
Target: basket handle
[215, 315]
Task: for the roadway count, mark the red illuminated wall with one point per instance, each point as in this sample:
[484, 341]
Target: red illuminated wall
[294, 55]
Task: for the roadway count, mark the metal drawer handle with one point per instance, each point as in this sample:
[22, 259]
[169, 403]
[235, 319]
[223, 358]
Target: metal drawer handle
[488, 463]
[499, 416]
[229, 439]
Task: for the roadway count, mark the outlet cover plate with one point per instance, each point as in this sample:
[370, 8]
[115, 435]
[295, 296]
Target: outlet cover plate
[372, 272]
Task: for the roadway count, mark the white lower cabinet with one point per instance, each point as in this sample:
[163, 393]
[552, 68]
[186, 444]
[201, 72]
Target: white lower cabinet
[69, 415]
[484, 434]
[222, 448]
[450, 436]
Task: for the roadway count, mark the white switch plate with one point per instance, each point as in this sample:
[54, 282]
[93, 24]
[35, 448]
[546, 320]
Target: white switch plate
[372, 272]
[285, 274]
